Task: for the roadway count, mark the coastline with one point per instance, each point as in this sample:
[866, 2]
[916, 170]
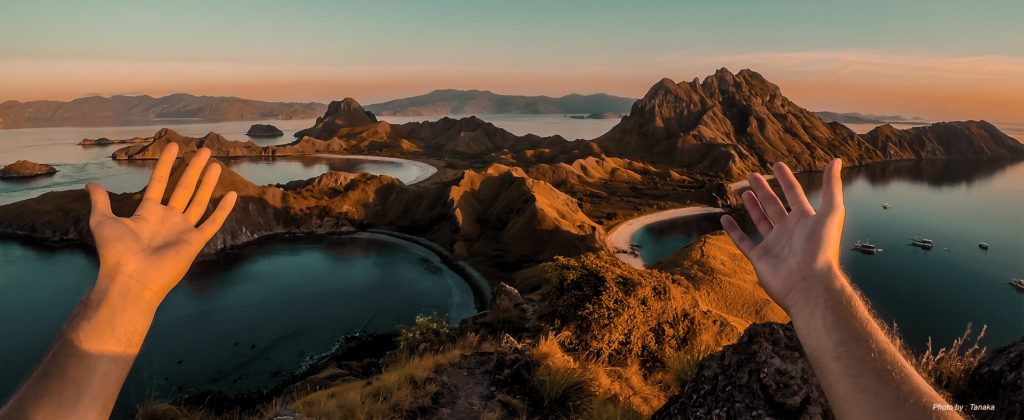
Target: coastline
[619, 237]
[428, 169]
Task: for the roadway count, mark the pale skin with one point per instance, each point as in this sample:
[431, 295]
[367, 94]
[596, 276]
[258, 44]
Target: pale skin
[142, 258]
[859, 368]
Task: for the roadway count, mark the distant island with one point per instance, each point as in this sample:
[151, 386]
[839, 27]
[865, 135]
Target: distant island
[478, 102]
[121, 109]
[858, 118]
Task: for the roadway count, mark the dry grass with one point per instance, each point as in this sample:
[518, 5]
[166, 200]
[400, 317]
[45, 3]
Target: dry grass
[405, 386]
[401, 389]
[948, 368]
[682, 366]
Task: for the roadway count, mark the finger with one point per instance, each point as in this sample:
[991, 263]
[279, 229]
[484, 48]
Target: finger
[832, 190]
[197, 207]
[770, 202]
[742, 241]
[216, 219]
[187, 183]
[764, 225]
[794, 193]
[100, 201]
[158, 181]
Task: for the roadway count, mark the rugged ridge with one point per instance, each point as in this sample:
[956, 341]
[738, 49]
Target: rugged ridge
[731, 124]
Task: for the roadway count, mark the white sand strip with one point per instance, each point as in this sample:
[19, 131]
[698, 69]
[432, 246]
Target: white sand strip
[428, 169]
[619, 237]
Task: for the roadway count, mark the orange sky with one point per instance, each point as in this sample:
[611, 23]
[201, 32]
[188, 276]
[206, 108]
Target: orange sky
[933, 87]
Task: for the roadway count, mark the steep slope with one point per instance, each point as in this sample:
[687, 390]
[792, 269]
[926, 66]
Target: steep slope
[502, 213]
[97, 110]
[340, 114]
[729, 125]
[469, 102]
[724, 279]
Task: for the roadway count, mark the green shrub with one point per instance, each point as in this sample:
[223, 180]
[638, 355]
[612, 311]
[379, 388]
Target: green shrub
[430, 333]
[682, 366]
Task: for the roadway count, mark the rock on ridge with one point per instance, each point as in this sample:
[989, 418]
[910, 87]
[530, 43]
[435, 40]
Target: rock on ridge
[998, 379]
[340, 114]
[765, 374]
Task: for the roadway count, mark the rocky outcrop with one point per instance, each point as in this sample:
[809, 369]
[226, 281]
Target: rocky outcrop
[731, 124]
[340, 114]
[103, 141]
[505, 214]
[958, 139]
[25, 169]
[997, 380]
[218, 145]
[264, 130]
[120, 109]
[765, 374]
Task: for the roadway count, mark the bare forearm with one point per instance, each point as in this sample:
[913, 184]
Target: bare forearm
[860, 369]
[87, 365]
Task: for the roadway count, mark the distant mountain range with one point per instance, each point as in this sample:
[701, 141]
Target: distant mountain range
[121, 109]
[858, 118]
[478, 102]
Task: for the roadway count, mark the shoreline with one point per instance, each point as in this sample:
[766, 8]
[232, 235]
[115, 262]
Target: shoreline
[620, 236]
[429, 170]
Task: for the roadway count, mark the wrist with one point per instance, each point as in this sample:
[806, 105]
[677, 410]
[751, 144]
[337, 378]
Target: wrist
[818, 288]
[113, 317]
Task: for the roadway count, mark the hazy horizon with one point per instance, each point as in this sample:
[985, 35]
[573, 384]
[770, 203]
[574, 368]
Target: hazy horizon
[940, 62]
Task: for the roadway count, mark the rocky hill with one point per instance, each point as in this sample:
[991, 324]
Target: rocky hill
[474, 102]
[120, 109]
[731, 124]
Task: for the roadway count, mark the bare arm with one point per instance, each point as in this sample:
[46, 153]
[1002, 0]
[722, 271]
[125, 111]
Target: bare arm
[861, 371]
[141, 259]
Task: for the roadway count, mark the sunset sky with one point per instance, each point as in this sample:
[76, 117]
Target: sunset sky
[940, 60]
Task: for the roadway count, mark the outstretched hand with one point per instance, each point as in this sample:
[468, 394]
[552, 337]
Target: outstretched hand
[799, 245]
[149, 252]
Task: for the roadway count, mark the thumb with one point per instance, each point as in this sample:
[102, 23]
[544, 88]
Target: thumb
[100, 200]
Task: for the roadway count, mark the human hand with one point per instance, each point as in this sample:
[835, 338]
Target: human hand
[800, 247]
[147, 254]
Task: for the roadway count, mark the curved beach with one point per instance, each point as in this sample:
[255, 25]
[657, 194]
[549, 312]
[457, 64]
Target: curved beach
[619, 237]
[428, 169]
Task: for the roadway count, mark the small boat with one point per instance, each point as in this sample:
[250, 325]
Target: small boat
[983, 245]
[945, 249]
[885, 206]
[866, 247]
[923, 243]
[1017, 284]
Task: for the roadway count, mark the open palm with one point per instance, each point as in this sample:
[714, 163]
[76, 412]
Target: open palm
[157, 244]
[798, 244]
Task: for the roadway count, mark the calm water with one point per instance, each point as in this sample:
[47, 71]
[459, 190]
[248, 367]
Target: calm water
[927, 293]
[79, 165]
[238, 325]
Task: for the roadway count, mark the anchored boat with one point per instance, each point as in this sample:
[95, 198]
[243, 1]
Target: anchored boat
[1017, 284]
[923, 243]
[866, 247]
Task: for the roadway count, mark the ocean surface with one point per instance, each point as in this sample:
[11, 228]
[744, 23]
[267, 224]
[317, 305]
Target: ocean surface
[932, 293]
[236, 325]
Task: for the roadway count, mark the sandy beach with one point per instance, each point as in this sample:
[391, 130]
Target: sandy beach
[428, 169]
[620, 236]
